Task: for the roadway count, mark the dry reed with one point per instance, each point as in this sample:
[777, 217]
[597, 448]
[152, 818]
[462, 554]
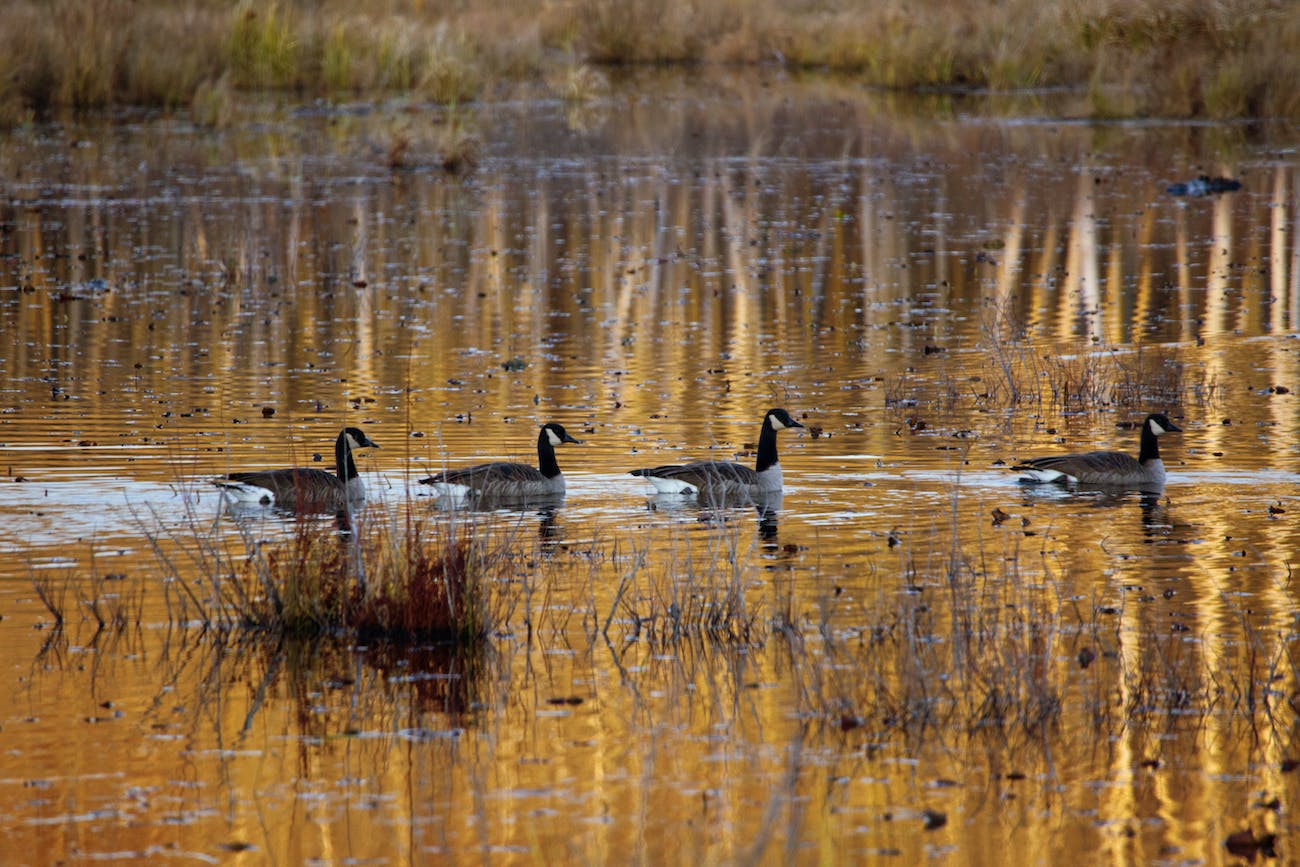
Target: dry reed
[1186, 58]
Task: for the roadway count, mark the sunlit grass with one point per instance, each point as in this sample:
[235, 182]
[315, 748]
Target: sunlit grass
[1187, 58]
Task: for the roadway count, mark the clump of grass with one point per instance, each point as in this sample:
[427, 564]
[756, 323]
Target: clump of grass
[372, 582]
[409, 578]
[1189, 58]
[410, 138]
[992, 660]
[579, 83]
[448, 73]
[54, 596]
[91, 54]
[662, 31]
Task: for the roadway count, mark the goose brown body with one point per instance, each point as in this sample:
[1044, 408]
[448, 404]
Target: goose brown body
[727, 478]
[1107, 468]
[305, 489]
[508, 480]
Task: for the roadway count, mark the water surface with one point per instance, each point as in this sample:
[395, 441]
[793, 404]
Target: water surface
[937, 288]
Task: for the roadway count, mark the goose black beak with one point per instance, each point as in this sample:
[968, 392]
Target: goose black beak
[570, 439]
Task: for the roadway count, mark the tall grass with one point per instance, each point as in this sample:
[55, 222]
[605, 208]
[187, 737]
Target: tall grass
[1082, 378]
[1231, 58]
[401, 577]
[698, 593]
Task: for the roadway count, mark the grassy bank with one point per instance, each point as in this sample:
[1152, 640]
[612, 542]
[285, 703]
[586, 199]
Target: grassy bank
[1185, 58]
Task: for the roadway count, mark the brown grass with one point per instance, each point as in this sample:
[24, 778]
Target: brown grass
[401, 577]
[1084, 377]
[697, 594]
[1229, 58]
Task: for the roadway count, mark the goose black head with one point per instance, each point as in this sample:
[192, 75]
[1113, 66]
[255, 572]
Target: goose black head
[1158, 423]
[557, 434]
[779, 418]
[358, 440]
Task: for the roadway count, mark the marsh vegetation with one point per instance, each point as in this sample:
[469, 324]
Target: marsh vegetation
[1189, 58]
[908, 657]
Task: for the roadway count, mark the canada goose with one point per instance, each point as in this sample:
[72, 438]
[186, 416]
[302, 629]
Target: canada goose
[305, 489]
[726, 478]
[1114, 469]
[504, 480]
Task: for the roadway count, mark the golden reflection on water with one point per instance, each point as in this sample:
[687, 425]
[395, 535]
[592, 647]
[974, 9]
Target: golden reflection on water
[666, 275]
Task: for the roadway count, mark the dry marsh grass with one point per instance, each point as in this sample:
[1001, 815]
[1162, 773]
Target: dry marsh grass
[988, 639]
[1011, 373]
[1088, 378]
[1085, 377]
[405, 577]
[1230, 58]
[975, 653]
[696, 594]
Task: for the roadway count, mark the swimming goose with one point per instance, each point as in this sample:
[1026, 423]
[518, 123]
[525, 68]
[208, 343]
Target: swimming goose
[1114, 469]
[305, 489]
[504, 480]
[725, 478]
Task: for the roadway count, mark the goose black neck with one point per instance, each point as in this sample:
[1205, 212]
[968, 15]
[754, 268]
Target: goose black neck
[546, 455]
[1150, 446]
[766, 447]
[343, 463]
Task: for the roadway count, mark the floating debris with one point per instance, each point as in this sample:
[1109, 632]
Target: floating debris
[933, 819]
[1204, 186]
[1244, 844]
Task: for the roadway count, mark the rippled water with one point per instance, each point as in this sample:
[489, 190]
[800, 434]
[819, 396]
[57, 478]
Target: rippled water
[937, 289]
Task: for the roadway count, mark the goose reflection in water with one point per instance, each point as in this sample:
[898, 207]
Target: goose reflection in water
[545, 507]
[245, 512]
[718, 508]
[1153, 504]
